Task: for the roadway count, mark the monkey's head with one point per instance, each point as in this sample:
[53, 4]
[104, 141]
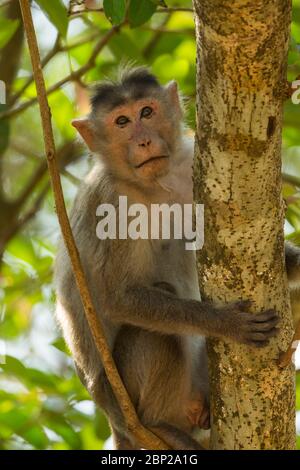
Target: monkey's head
[135, 125]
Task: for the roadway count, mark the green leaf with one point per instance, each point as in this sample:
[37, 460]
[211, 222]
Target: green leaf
[140, 11]
[61, 346]
[36, 436]
[63, 429]
[57, 14]
[122, 44]
[7, 30]
[22, 249]
[115, 10]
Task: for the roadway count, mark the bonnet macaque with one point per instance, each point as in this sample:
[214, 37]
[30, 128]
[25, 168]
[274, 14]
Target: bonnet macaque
[145, 290]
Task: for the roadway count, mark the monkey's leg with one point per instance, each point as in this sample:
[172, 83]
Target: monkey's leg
[176, 438]
[122, 442]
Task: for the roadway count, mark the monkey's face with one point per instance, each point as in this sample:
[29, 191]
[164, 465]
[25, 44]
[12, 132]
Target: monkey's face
[138, 135]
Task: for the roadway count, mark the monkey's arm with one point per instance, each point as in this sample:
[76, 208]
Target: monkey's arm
[292, 262]
[153, 309]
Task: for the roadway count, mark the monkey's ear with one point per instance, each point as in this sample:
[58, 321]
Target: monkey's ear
[84, 128]
[172, 91]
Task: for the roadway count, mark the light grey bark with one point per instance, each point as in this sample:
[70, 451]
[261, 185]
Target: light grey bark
[241, 75]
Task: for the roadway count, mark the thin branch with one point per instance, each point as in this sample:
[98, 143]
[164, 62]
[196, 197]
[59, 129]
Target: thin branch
[58, 47]
[32, 183]
[72, 178]
[174, 9]
[143, 436]
[189, 31]
[11, 52]
[291, 179]
[16, 227]
[155, 39]
[159, 10]
[73, 76]
[4, 4]
[30, 80]
[85, 10]
[65, 154]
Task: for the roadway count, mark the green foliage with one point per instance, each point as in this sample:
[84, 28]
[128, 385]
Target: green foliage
[57, 14]
[42, 403]
[140, 11]
[115, 10]
[7, 30]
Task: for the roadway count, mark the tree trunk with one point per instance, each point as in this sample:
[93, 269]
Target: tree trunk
[241, 76]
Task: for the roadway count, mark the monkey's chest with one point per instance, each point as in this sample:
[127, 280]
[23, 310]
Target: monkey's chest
[175, 265]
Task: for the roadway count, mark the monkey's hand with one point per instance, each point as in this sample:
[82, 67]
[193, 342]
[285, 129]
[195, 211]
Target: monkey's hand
[197, 411]
[248, 328]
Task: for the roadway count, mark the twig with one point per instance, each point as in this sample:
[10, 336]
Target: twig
[15, 228]
[174, 9]
[4, 4]
[286, 357]
[71, 77]
[155, 38]
[143, 436]
[65, 154]
[159, 10]
[56, 48]
[294, 180]
[186, 31]
[30, 80]
[72, 178]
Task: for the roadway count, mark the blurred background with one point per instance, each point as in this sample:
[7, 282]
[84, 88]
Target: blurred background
[42, 403]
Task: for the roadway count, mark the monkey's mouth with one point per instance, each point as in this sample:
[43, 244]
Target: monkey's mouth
[160, 157]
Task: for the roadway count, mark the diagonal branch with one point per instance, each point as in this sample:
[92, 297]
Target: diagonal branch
[143, 436]
[65, 154]
[15, 228]
[30, 80]
[73, 76]
[159, 10]
[10, 54]
[58, 47]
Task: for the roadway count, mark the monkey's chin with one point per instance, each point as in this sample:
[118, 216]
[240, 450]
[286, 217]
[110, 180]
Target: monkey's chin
[154, 168]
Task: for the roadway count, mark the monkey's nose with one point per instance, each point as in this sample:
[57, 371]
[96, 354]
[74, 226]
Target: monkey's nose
[145, 143]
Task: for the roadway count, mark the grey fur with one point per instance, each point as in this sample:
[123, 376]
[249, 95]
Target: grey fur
[146, 294]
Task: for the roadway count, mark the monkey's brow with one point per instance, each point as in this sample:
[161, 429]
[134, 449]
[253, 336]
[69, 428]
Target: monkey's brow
[114, 98]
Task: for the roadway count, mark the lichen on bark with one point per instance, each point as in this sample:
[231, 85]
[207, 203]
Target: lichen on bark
[241, 75]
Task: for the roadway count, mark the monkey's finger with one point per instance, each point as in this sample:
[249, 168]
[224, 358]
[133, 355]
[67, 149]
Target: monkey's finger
[266, 315]
[262, 336]
[265, 326]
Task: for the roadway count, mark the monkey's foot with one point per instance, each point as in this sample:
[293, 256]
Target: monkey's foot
[197, 412]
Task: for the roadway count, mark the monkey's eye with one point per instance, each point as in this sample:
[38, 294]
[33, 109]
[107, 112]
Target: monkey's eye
[122, 121]
[146, 112]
